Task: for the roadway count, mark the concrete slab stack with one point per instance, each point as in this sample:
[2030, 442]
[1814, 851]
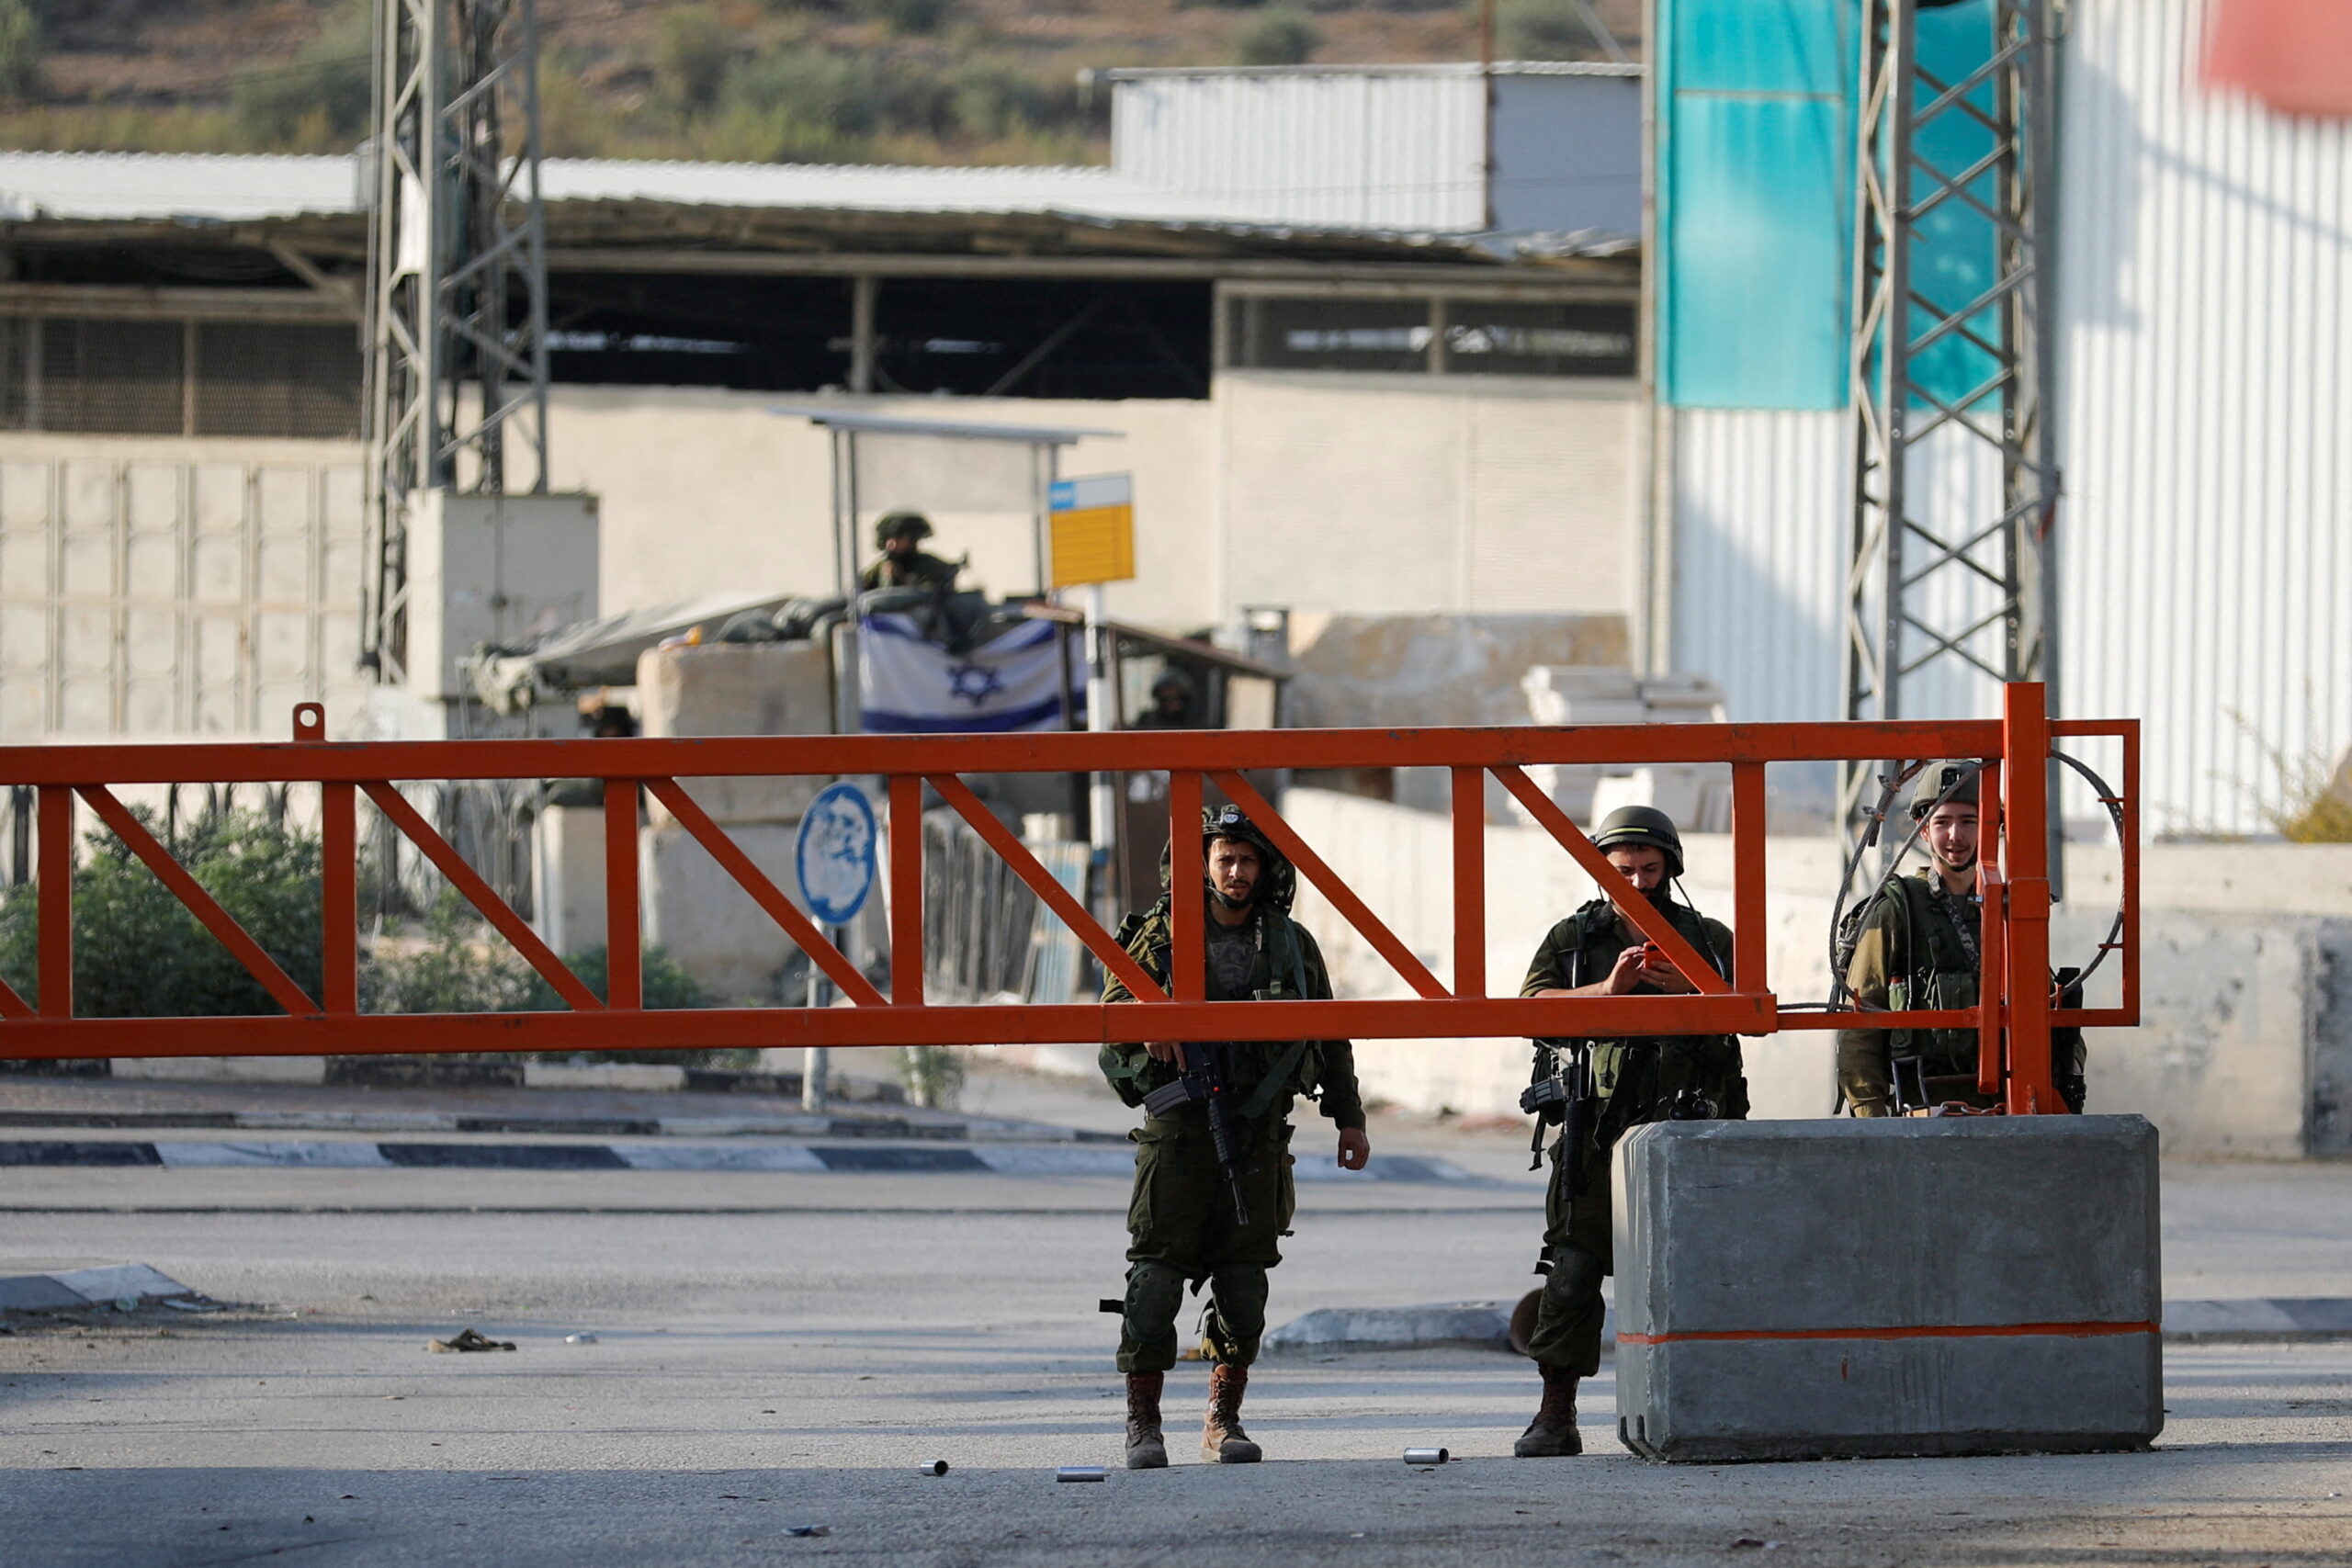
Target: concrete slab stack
[1829, 1289]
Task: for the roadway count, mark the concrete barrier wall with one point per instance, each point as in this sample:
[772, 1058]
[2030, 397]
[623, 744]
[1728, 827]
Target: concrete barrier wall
[2247, 1042]
[1965, 1285]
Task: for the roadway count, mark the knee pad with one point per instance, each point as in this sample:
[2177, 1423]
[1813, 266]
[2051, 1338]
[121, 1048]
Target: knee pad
[1574, 1273]
[1236, 1319]
[1238, 1298]
[1154, 1295]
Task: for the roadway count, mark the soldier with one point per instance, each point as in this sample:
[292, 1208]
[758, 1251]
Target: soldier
[1175, 703]
[903, 564]
[1181, 1221]
[1918, 947]
[1619, 1084]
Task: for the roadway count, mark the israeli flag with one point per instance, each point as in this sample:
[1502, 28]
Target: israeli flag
[910, 686]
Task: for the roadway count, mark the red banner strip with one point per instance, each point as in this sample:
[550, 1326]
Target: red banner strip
[1930, 1331]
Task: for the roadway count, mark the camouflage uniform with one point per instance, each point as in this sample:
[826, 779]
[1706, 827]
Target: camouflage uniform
[1920, 947]
[921, 569]
[1635, 1081]
[1179, 1221]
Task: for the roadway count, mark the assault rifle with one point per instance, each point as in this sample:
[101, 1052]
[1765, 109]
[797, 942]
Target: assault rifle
[1207, 1080]
[1562, 1096]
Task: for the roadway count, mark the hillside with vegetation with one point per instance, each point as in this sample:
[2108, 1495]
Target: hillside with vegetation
[761, 81]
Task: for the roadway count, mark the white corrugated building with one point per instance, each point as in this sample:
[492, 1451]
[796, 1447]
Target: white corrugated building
[2205, 535]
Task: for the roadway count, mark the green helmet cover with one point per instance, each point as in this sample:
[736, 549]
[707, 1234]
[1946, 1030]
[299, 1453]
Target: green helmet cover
[892, 524]
[1946, 783]
[1642, 825]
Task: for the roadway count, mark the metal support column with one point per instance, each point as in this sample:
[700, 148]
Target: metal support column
[1932, 581]
[457, 300]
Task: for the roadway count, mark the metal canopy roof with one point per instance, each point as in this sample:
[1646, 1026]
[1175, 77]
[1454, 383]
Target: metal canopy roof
[953, 430]
[607, 209]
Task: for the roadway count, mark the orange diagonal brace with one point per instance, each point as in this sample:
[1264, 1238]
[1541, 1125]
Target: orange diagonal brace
[765, 893]
[189, 891]
[1015, 854]
[466, 880]
[1343, 898]
[12, 1005]
[1644, 915]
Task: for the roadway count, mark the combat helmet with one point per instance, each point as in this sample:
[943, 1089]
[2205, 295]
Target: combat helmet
[890, 524]
[1945, 783]
[1280, 884]
[1641, 824]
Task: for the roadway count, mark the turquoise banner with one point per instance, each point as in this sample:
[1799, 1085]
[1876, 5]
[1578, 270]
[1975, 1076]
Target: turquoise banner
[1754, 162]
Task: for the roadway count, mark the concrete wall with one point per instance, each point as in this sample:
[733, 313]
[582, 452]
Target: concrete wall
[152, 586]
[2245, 1047]
[704, 490]
[1412, 495]
[1332, 493]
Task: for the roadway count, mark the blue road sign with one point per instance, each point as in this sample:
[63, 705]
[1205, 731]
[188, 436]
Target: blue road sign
[835, 854]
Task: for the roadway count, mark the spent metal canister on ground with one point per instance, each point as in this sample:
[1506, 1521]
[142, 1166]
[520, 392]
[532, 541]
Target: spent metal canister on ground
[1427, 1456]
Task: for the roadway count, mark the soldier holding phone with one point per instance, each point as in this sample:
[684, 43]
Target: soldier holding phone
[1607, 1086]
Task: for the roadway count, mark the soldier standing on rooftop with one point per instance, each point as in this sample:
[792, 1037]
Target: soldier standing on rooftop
[903, 562]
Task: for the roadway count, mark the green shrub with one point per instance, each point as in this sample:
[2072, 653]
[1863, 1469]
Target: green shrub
[20, 48]
[809, 90]
[904, 16]
[138, 953]
[988, 99]
[1544, 29]
[323, 97]
[1281, 37]
[692, 56]
[933, 1075]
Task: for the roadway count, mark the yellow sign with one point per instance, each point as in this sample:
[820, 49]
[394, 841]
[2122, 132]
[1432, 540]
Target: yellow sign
[1093, 530]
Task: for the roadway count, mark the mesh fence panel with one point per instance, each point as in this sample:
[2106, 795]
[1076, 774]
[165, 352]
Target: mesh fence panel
[256, 379]
[251, 378]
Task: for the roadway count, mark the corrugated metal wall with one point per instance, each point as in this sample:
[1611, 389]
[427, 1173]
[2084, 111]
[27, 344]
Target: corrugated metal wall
[2208, 302]
[1386, 151]
[2206, 538]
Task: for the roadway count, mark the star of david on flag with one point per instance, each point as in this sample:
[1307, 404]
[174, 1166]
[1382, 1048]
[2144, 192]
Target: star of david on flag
[908, 686]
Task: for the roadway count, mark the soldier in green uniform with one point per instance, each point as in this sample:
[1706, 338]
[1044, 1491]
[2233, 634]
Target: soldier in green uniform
[1181, 1222]
[1919, 946]
[903, 563]
[1597, 953]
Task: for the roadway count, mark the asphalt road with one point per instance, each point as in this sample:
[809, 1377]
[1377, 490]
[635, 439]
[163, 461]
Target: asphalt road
[782, 1350]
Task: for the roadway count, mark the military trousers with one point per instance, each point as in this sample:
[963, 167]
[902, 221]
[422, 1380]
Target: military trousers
[1576, 1246]
[1182, 1231]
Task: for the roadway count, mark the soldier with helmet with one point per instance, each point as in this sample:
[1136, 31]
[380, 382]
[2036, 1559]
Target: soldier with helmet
[1612, 1085]
[1918, 947]
[1181, 1223]
[903, 562]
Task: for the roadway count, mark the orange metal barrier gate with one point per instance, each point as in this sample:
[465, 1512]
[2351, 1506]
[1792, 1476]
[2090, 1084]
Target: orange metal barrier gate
[2015, 1016]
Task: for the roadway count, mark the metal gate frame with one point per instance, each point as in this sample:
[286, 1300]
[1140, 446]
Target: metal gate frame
[2014, 1019]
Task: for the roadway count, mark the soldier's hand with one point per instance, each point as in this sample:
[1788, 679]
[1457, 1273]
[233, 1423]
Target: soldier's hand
[1162, 1050]
[1660, 973]
[1626, 973]
[1355, 1149]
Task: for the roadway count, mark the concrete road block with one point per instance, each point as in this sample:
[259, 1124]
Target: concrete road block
[1812, 1290]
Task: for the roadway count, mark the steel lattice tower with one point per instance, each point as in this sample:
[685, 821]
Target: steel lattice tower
[457, 367]
[1936, 578]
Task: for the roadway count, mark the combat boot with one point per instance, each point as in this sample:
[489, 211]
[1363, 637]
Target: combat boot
[1222, 1439]
[1553, 1433]
[1146, 1449]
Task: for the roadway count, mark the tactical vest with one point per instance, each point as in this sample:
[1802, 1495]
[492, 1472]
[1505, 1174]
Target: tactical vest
[1937, 971]
[1266, 1073]
[1639, 1079]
